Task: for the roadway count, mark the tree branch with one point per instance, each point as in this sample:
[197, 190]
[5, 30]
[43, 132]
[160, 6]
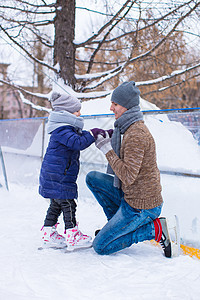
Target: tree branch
[27, 11]
[119, 69]
[28, 54]
[105, 26]
[25, 92]
[25, 22]
[168, 77]
[104, 38]
[170, 86]
[134, 31]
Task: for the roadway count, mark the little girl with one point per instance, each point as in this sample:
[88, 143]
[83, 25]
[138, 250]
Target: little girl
[60, 169]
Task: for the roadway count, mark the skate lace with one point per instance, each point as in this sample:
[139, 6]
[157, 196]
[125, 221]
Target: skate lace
[56, 236]
[75, 236]
[80, 235]
[162, 243]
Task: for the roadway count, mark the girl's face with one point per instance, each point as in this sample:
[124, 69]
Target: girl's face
[77, 113]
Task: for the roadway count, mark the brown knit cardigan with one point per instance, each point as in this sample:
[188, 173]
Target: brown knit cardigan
[137, 167]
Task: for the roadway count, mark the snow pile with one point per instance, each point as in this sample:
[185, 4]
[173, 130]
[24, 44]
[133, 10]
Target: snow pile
[177, 150]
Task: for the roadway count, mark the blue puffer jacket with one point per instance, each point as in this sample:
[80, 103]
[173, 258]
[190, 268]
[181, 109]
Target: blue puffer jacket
[60, 165]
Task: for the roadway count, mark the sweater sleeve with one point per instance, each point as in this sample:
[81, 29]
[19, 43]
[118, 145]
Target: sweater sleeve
[128, 167]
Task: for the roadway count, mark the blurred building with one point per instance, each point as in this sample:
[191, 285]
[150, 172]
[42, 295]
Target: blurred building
[11, 105]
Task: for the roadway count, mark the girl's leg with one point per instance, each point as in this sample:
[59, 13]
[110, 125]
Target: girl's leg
[109, 197]
[68, 207]
[128, 226]
[50, 236]
[53, 213]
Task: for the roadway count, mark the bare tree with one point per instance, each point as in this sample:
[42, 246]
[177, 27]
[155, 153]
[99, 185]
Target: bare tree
[128, 31]
[64, 48]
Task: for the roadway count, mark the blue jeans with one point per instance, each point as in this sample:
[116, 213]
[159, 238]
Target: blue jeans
[126, 225]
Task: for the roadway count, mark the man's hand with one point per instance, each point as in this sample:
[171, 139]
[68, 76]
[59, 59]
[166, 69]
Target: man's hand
[103, 143]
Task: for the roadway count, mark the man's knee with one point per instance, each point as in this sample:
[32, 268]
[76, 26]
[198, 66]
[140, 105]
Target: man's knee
[93, 178]
[97, 247]
[90, 176]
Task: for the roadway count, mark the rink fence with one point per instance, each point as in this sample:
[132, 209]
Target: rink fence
[28, 138]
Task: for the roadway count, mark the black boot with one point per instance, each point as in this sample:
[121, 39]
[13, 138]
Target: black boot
[97, 231]
[165, 241]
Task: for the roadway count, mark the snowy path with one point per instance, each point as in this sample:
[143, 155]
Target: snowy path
[140, 272]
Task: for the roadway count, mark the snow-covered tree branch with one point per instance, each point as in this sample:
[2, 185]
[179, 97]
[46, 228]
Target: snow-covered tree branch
[144, 42]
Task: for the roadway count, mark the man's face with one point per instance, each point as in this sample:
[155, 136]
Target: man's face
[117, 109]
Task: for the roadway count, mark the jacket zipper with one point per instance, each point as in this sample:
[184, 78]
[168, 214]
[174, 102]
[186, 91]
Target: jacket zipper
[67, 168]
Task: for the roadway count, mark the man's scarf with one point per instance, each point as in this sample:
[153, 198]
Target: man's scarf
[129, 117]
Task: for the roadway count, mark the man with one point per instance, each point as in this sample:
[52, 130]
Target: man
[131, 199]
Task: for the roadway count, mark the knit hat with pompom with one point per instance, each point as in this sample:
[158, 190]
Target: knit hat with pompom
[65, 102]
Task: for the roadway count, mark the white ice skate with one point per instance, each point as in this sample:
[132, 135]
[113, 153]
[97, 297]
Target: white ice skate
[75, 239]
[51, 238]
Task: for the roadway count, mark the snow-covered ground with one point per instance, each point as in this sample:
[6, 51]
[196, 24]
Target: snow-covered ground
[138, 272]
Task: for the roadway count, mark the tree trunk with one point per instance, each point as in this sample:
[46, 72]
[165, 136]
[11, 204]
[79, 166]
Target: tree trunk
[64, 50]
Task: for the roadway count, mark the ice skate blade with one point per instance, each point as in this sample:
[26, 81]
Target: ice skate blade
[78, 247]
[52, 246]
[175, 249]
[175, 236]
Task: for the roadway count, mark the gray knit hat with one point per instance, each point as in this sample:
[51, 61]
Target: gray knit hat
[126, 95]
[65, 102]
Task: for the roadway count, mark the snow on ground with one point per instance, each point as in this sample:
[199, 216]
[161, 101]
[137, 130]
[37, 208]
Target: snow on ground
[138, 272]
